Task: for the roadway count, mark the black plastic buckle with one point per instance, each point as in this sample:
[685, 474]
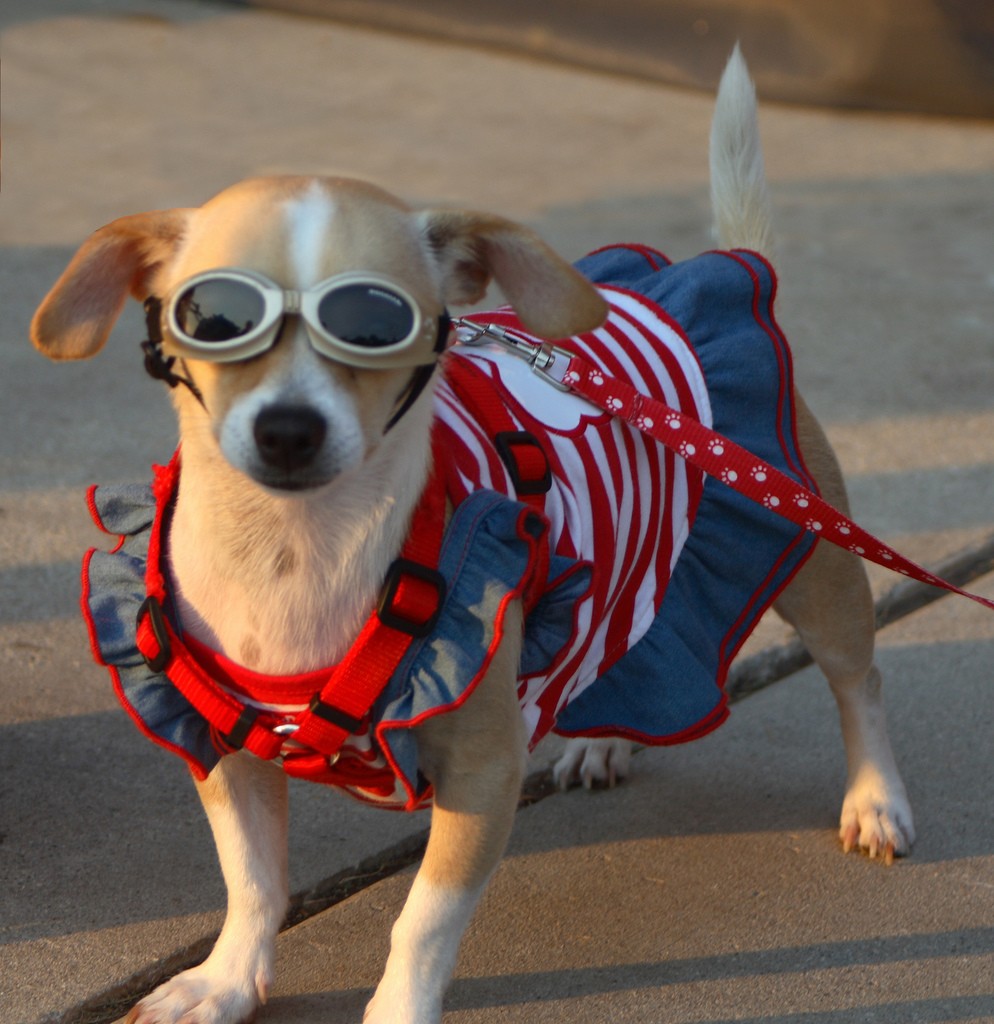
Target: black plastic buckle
[388, 615]
[506, 442]
[239, 731]
[334, 715]
[157, 620]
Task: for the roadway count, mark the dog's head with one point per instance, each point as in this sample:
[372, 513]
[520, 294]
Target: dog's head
[296, 406]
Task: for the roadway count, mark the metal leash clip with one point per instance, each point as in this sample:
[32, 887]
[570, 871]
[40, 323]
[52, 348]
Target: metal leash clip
[292, 748]
[549, 361]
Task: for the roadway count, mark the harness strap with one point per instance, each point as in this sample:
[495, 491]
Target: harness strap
[238, 724]
[519, 450]
[525, 459]
[409, 606]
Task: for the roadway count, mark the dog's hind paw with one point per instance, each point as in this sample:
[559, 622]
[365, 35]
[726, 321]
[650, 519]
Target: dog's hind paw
[876, 818]
[592, 762]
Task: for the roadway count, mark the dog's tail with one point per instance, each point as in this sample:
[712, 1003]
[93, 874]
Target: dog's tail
[739, 198]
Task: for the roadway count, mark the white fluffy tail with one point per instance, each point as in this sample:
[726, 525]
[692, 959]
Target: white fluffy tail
[739, 197]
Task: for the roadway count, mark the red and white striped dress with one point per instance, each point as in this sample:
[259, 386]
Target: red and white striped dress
[619, 500]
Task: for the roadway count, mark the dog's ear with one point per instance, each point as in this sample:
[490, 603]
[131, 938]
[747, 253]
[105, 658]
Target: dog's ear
[76, 317]
[552, 299]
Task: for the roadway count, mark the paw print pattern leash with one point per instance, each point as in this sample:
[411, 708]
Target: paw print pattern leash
[705, 449]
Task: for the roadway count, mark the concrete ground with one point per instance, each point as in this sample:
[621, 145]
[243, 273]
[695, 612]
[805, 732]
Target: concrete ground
[710, 887]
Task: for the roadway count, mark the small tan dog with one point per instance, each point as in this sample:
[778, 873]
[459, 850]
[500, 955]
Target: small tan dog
[295, 498]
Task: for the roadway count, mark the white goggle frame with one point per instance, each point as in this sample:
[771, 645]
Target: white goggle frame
[420, 347]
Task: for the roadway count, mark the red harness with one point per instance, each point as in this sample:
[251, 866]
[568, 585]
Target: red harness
[409, 604]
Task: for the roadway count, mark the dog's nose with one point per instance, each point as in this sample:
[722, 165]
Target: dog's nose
[289, 437]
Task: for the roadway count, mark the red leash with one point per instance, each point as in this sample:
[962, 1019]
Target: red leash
[707, 450]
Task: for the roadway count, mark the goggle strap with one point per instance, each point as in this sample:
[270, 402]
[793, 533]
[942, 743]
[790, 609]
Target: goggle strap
[444, 327]
[418, 382]
[157, 365]
[422, 374]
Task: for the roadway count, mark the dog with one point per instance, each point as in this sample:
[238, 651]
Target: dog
[308, 444]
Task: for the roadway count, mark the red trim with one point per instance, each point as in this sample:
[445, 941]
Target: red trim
[782, 352]
[708, 724]
[748, 617]
[788, 358]
[199, 771]
[165, 480]
[84, 605]
[657, 260]
[91, 505]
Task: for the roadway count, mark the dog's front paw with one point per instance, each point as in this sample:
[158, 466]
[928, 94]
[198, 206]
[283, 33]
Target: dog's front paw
[876, 817]
[593, 762]
[203, 996]
[399, 1005]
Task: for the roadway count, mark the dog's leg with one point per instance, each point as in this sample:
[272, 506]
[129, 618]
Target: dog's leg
[475, 758]
[246, 804]
[830, 605]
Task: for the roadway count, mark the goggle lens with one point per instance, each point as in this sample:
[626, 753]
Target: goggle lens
[219, 310]
[366, 315]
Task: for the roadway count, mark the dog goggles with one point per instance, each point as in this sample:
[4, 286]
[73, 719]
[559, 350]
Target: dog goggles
[357, 318]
